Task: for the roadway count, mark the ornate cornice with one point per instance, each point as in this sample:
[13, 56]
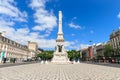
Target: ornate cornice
[60, 40]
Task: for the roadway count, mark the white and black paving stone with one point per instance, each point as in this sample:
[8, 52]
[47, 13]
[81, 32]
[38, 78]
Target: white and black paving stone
[39, 71]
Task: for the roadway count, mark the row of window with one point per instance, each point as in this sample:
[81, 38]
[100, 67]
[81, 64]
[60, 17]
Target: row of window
[9, 48]
[6, 40]
[115, 42]
[14, 55]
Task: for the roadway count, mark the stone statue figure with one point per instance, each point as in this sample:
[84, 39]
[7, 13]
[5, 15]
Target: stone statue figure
[59, 48]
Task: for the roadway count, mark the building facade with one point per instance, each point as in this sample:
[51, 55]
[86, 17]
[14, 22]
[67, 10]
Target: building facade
[85, 54]
[94, 51]
[115, 39]
[115, 42]
[100, 49]
[90, 50]
[32, 46]
[11, 50]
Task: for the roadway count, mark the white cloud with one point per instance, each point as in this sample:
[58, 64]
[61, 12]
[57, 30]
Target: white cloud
[10, 14]
[3, 22]
[72, 45]
[92, 32]
[72, 25]
[23, 30]
[22, 35]
[73, 34]
[38, 3]
[9, 10]
[82, 46]
[74, 18]
[69, 43]
[45, 19]
[118, 15]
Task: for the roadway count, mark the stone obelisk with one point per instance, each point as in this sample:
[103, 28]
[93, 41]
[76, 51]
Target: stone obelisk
[60, 54]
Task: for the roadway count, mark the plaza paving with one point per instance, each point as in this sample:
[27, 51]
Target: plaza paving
[39, 71]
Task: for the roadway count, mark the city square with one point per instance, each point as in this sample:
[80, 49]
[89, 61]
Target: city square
[59, 40]
[81, 71]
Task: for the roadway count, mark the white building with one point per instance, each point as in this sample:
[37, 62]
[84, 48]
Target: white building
[10, 50]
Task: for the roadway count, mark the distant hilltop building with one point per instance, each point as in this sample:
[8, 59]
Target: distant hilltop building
[3, 33]
[32, 46]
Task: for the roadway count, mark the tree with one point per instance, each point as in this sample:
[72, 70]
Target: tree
[46, 55]
[99, 57]
[108, 51]
[73, 55]
[49, 55]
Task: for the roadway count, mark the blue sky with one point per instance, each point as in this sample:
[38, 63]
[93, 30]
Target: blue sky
[37, 20]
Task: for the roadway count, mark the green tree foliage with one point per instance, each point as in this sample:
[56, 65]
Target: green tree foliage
[98, 56]
[46, 55]
[73, 54]
[108, 51]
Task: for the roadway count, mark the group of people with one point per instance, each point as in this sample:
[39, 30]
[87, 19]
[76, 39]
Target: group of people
[107, 60]
[11, 60]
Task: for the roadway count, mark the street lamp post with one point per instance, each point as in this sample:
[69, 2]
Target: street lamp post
[90, 42]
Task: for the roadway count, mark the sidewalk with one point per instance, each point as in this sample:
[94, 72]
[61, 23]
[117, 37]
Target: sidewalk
[16, 64]
[8, 63]
[103, 64]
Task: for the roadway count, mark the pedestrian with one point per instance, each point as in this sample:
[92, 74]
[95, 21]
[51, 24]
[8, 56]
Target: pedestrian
[4, 60]
[14, 60]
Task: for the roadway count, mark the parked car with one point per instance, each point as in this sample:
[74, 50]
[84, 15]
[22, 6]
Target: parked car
[24, 60]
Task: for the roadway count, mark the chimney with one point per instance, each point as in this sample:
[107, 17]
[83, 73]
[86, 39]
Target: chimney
[3, 33]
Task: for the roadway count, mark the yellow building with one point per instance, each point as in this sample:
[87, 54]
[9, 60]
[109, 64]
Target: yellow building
[32, 46]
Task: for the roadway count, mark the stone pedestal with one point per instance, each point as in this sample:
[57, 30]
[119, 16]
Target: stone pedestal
[42, 62]
[60, 58]
[74, 62]
[78, 61]
[46, 62]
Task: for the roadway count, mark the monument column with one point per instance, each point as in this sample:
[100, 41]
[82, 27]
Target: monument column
[60, 23]
[60, 54]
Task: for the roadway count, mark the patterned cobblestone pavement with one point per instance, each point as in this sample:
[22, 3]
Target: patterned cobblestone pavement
[39, 71]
